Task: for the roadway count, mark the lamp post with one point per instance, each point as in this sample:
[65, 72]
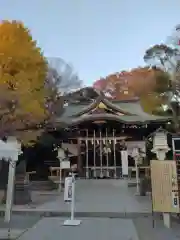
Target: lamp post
[61, 156]
[135, 154]
[160, 148]
[64, 163]
[160, 145]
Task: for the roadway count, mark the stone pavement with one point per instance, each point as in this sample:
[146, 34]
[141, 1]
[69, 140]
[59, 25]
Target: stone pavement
[146, 231]
[98, 228]
[31, 227]
[108, 209]
[18, 225]
[95, 198]
[102, 229]
[109, 198]
[14, 233]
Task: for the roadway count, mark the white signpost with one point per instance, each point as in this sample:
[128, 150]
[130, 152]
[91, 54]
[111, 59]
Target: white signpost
[69, 193]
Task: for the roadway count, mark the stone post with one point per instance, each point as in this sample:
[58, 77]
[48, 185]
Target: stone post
[160, 148]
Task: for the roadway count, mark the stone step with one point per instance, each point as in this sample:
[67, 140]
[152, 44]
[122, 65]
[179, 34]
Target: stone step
[79, 214]
[42, 185]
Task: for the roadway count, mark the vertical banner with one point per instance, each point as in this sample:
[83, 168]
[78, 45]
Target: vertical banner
[124, 161]
[68, 189]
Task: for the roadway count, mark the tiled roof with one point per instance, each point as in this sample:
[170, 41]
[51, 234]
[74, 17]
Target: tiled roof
[136, 113]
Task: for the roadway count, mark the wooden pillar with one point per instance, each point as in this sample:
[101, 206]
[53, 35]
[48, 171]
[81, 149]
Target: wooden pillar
[107, 154]
[94, 152]
[79, 159]
[101, 165]
[114, 148]
[87, 155]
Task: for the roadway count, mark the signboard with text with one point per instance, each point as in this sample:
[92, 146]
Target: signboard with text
[165, 193]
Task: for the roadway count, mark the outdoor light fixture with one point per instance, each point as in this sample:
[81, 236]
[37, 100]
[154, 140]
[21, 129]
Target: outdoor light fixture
[160, 145]
[160, 140]
[64, 161]
[61, 154]
[13, 142]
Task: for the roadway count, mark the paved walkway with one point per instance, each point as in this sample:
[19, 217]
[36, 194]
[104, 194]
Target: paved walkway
[103, 196]
[96, 198]
[97, 203]
[18, 225]
[33, 227]
[101, 229]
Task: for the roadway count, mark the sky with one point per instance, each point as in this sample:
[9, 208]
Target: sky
[97, 37]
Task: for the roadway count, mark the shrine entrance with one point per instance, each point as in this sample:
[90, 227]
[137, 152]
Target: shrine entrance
[103, 144]
[100, 157]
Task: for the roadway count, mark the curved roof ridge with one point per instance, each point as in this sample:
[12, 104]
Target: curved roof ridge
[119, 109]
[125, 100]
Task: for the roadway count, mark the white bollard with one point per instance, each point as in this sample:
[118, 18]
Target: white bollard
[70, 195]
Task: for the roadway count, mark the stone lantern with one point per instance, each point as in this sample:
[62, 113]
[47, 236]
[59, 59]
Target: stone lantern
[9, 151]
[64, 164]
[160, 145]
[64, 160]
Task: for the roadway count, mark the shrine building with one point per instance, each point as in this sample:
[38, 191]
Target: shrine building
[98, 129]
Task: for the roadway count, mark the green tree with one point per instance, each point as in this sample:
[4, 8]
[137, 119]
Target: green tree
[167, 86]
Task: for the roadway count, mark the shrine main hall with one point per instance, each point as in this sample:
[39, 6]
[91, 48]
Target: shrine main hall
[98, 129]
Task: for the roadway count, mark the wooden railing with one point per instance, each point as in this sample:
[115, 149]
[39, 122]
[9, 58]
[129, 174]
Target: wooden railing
[55, 174]
[95, 171]
[55, 171]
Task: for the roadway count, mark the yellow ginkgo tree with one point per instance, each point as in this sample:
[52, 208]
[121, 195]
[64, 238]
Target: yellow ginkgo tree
[23, 69]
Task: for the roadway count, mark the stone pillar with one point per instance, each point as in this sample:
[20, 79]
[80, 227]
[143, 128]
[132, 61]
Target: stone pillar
[21, 189]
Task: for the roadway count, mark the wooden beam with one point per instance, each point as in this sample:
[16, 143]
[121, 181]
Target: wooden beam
[79, 159]
[103, 138]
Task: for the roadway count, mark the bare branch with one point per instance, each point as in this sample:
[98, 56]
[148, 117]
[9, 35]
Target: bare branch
[65, 78]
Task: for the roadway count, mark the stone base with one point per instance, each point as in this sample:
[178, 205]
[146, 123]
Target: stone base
[22, 195]
[72, 222]
[48, 185]
[167, 220]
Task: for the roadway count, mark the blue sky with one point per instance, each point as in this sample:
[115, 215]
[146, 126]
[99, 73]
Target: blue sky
[98, 37]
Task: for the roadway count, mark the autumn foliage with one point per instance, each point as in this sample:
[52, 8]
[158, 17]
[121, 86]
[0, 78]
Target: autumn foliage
[23, 70]
[127, 85]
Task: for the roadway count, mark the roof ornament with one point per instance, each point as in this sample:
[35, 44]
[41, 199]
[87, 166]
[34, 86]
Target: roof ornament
[102, 105]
